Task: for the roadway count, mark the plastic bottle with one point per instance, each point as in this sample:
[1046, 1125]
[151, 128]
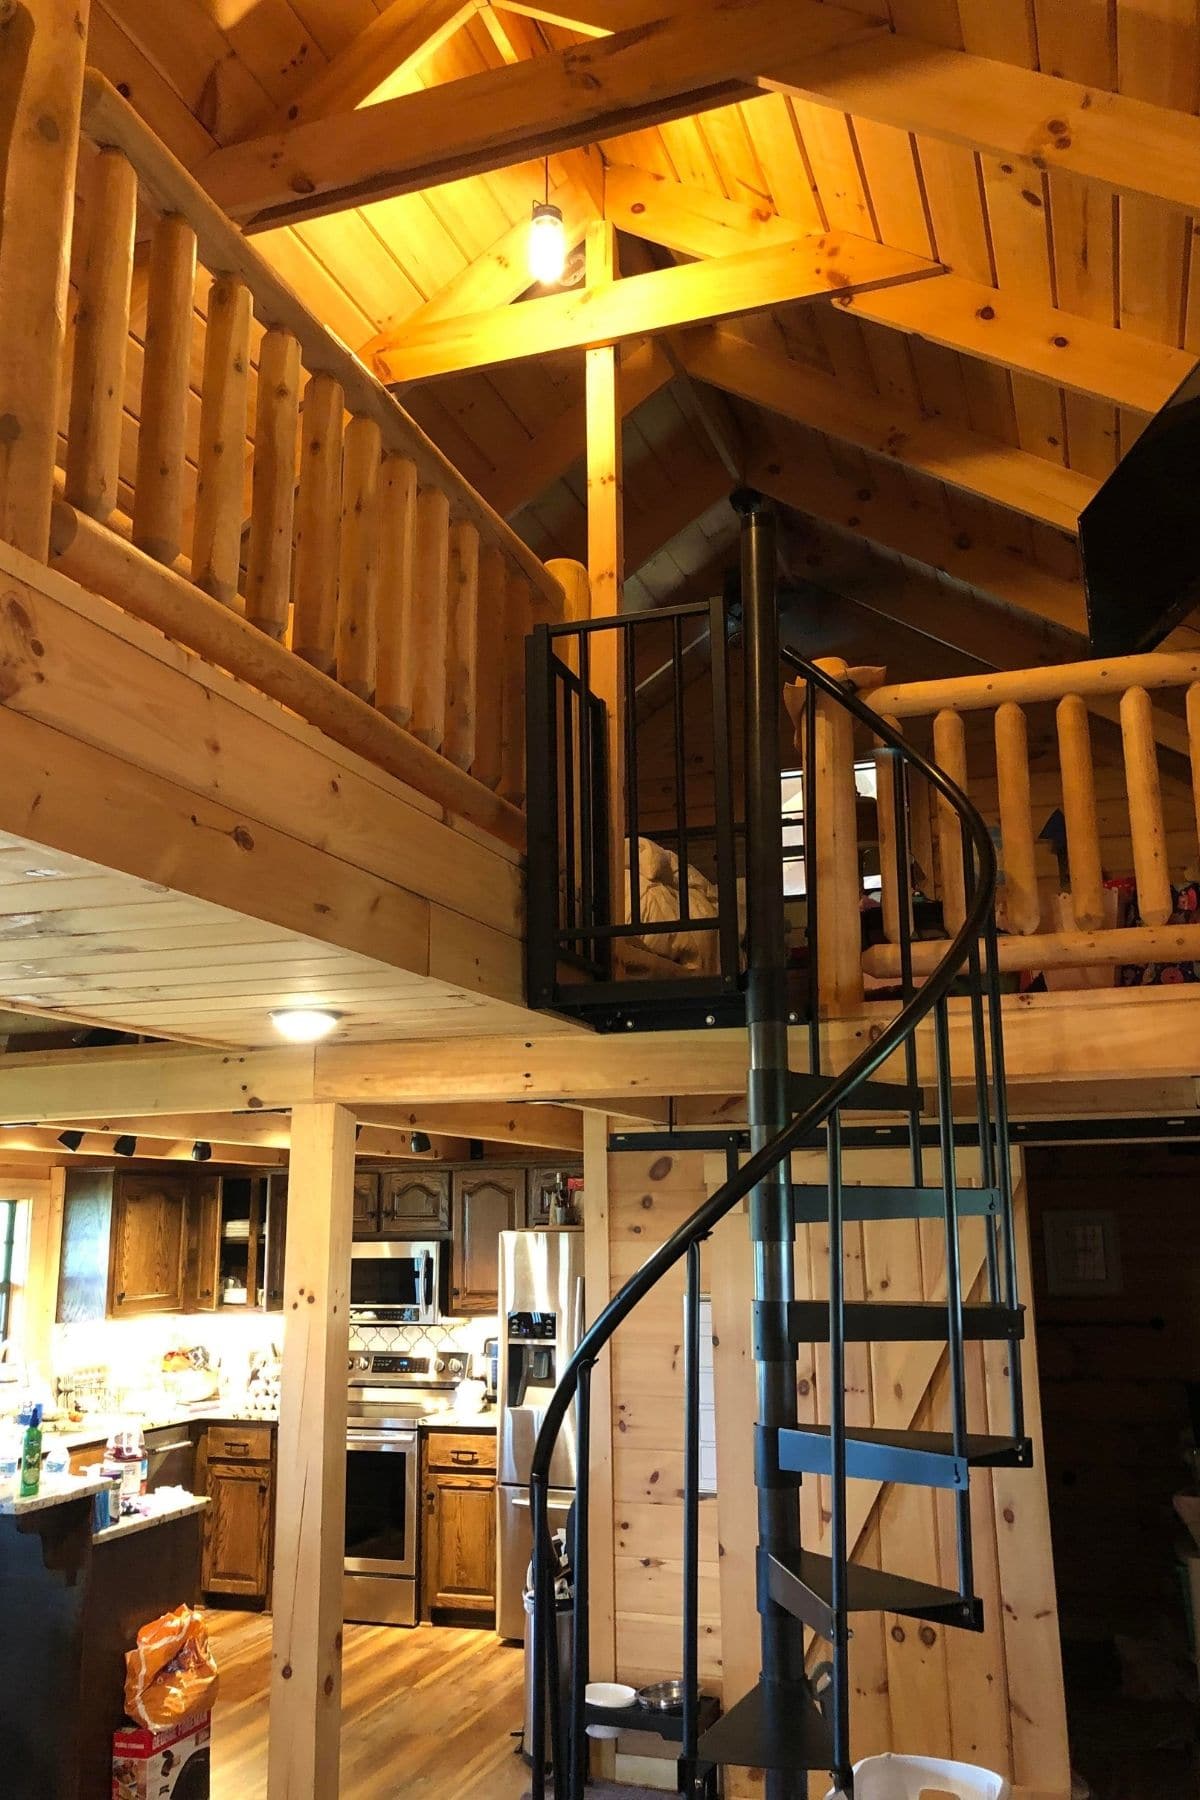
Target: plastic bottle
[31, 1450]
[11, 1444]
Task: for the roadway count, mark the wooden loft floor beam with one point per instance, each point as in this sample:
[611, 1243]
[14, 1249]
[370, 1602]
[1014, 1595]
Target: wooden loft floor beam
[963, 459]
[385, 1130]
[791, 470]
[962, 315]
[661, 70]
[812, 267]
[53, 1085]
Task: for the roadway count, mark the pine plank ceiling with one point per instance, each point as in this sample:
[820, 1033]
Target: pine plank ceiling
[936, 488]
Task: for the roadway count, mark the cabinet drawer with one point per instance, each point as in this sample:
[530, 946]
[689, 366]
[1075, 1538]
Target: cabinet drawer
[239, 1443]
[466, 1451]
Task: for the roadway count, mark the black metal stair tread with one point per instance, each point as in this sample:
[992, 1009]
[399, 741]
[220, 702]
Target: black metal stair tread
[868, 1096]
[810, 1203]
[902, 1321]
[779, 1726]
[918, 1458]
[804, 1585]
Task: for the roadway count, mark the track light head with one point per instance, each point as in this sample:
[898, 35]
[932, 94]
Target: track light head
[125, 1146]
[70, 1140]
[419, 1142]
[201, 1151]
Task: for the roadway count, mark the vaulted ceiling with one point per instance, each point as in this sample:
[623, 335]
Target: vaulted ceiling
[931, 444]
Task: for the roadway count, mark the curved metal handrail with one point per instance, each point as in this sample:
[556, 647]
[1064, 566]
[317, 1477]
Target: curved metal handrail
[761, 1164]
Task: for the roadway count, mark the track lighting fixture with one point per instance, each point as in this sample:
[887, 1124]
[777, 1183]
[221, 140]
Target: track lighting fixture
[125, 1146]
[419, 1142]
[70, 1140]
[201, 1151]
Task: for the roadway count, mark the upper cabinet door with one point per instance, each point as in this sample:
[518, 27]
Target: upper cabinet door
[486, 1202]
[414, 1203]
[542, 1188]
[149, 1240]
[366, 1203]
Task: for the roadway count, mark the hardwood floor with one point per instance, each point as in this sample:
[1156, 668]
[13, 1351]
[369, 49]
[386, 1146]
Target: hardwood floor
[427, 1714]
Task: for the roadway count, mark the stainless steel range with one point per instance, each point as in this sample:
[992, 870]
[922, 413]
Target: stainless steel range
[390, 1393]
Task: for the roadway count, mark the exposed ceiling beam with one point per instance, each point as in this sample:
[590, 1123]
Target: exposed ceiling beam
[517, 40]
[1040, 121]
[791, 468]
[807, 268]
[958, 314]
[666, 69]
[385, 1129]
[43, 1141]
[392, 43]
[963, 459]
[645, 368]
[548, 1128]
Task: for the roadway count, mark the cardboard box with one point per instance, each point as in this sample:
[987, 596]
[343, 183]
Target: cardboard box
[172, 1764]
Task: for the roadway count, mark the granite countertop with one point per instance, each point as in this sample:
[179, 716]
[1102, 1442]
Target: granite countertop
[134, 1522]
[96, 1429]
[55, 1489]
[484, 1421]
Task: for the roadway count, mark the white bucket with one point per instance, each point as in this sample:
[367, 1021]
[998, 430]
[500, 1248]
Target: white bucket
[892, 1777]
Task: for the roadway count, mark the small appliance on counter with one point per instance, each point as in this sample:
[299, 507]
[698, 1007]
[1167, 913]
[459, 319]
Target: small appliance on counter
[541, 1323]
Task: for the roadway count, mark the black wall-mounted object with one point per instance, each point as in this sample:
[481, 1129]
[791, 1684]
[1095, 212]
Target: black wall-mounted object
[1137, 536]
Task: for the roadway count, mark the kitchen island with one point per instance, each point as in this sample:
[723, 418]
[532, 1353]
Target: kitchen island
[71, 1602]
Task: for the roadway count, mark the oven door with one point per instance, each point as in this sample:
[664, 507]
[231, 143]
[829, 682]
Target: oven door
[381, 1502]
[395, 1283]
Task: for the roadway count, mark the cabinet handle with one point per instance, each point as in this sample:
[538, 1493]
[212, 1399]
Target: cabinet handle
[464, 1456]
[430, 1501]
[234, 1445]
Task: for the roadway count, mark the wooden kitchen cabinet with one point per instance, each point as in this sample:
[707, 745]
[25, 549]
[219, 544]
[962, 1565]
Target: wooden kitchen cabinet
[236, 1471]
[458, 1550]
[147, 1244]
[414, 1203]
[543, 1184]
[366, 1203]
[486, 1201]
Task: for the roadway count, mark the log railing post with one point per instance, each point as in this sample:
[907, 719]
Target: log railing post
[1154, 898]
[1022, 911]
[839, 878]
[318, 524]
[358, 582]
[217, 529]
[1079, 811]
[518, 623]
[427, 647]
[397, 593]
[42, 51]
[491, 649]
[101, 336]
[893, 898]
[273, 503]
[462, 647]
[158, 484]
[950, 754]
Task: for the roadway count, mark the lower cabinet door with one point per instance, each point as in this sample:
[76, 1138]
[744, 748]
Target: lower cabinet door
[237, 1529]
[458, 1555]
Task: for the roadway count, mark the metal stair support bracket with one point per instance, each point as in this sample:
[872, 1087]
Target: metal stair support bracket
[779, 1726]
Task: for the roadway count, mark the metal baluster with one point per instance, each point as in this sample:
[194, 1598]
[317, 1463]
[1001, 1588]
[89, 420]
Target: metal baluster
[900, 797]
[602, 948]
[723, 795]
[954, 1295]
[809, 824]
[631, 779]
[691, 1514]
[680, 767]
[1004, 1169]
[539, 1649]
[838, 1546]
[572, 854]
[579, 1576]
[587, 824]
[987, 1148]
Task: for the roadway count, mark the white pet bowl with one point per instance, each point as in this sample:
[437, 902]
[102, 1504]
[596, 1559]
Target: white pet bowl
[614, 1694]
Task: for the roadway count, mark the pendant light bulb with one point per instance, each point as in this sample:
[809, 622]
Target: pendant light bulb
[547, 243]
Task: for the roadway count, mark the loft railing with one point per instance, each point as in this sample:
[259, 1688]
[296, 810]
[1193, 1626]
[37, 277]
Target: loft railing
[323, 550]
[558, 1730]
[1081, 823]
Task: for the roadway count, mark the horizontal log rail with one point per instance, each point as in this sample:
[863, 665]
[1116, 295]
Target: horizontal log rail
[227, 470]
[1144, 831]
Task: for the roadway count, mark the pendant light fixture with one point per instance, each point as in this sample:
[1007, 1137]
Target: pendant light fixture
[547, 239]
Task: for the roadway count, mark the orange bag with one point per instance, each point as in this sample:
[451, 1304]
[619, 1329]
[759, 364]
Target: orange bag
[172, 1674]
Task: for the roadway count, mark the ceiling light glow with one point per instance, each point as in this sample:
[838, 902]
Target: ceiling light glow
[547, 243]
[304, 1024]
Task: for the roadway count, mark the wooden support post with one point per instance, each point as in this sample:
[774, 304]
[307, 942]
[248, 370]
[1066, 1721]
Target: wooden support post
[462, 646]
[597, 1222]
[1079, 810]
[217, 532]
[1021, 910]
[491, 649]
[358, 582]
[318, 522]
[306, 1657]
[269, 562]
[397, 551]
[158, 487]
[1154, 899]
[101, 335]
[839, 882]
[41, 73]
[426, 662]
[950, 754]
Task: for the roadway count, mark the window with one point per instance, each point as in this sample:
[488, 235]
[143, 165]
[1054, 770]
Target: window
[8, 1234]
[792, 794]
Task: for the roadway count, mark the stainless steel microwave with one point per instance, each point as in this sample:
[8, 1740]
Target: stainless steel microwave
[393, 1283]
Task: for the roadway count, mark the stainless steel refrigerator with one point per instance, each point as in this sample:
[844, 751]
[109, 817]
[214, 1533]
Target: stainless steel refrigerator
[541, 1322]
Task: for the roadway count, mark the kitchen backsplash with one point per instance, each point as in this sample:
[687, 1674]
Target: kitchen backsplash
[131, 1350]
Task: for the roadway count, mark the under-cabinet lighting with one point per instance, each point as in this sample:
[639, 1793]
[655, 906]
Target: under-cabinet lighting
[304, 1024]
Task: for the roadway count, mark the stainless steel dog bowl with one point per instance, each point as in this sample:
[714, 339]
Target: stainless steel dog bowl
[662, 1697]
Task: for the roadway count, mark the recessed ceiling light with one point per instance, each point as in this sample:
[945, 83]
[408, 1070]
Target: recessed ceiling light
[304, 1024]
[43, 874]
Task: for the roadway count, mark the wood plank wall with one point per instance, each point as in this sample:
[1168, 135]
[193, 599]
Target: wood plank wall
[996, 1698]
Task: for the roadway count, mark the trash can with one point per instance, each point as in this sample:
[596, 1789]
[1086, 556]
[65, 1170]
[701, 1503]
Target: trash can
[892, 1777]
[564, 1614]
